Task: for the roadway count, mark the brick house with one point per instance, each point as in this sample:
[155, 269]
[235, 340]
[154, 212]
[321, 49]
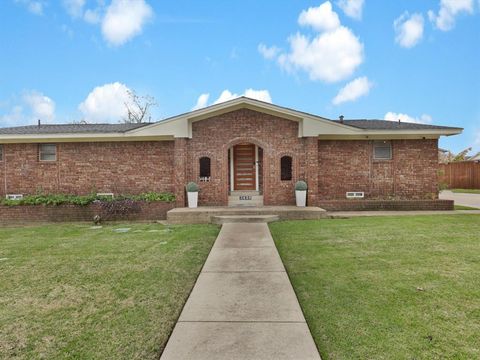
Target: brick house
[240, 149]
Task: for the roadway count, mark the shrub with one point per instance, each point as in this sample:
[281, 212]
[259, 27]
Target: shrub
[114, 209]
[83, 200]
[301, 186]
[192, 187]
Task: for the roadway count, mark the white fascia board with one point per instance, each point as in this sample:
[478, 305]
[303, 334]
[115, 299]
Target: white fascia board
[174, 127]
[393, 134]
[68, 137]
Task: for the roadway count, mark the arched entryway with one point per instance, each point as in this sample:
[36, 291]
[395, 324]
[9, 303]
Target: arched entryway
[245, 174]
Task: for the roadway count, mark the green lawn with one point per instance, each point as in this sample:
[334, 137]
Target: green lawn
[387, 287]
[72, 292]
[467, 191]
[463, 207]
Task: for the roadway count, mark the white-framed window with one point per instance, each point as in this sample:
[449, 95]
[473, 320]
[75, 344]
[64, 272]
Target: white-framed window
[382, 150]
[1, 152]
[47, 152]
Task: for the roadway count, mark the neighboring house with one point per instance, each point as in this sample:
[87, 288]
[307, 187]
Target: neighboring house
[475, 157]
[242, 146]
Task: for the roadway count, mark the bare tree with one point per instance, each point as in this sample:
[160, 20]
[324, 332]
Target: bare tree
[448, 156]
[138, 107]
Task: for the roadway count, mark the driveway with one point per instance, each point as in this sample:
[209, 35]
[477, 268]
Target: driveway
[461, 198]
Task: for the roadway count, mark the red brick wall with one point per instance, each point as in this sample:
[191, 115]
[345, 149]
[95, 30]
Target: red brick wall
[276, 136]
[349, 166]
[37, 213]
[118, 167]
[388, 205]
[330, 168]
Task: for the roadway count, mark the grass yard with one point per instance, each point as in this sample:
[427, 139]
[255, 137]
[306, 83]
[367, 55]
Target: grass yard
[466, 191]
[463, 207]
[72, 292]
[387, 287]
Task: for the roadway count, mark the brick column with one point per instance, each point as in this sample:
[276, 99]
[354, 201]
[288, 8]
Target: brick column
[311, 170]
[180, 170]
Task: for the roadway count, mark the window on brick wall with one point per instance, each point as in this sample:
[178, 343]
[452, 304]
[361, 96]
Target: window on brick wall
[205, 169]
[1, 152]
[286, 168]
[382, 150]
[47, 152]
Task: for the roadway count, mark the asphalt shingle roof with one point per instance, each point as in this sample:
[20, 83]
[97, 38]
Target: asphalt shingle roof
[69, 129]
[389, 125]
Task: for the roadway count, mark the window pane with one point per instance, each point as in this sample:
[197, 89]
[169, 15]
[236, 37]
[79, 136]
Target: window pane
[286, 168]
[1, 152]
[48, 152]
[204, 167]
[47, 157]
[382, 150]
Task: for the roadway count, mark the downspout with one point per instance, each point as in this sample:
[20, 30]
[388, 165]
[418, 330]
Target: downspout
[5, 169]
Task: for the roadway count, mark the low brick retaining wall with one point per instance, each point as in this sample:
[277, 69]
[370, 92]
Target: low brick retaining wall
[393, 205]
[63, 213]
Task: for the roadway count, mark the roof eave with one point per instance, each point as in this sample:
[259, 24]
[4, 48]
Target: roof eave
[67, 137]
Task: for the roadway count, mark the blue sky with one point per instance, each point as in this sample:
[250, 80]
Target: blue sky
[65, 61]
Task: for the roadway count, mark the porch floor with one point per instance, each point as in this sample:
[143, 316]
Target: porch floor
[205, 214]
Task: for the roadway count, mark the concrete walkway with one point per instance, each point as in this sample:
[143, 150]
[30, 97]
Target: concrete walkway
[464, 199]
[349, 214]
[243, 305]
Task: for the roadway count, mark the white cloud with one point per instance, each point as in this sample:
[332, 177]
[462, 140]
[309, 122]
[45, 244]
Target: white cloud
[331, 56]
[14, 118]
[35, 7]
[202, 101]
[106, 103]
[268, 52]
[449, 9]
[32, 106]
[262, 95]
[423, 119]
[74, 7]
[124, 20]
[353, 90]
[42, 107]
[92, 16]
[352, 8]
[226, 95]
[408, 29]
[321, 18]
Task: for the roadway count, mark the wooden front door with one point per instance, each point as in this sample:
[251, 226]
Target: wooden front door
[244, 168]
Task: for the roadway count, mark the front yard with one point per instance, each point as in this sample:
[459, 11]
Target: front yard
[387, 287]
[75, 292]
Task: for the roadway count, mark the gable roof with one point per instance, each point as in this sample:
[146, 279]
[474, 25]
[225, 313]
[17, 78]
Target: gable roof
[70, 128]
[371, 124]
[181, 126]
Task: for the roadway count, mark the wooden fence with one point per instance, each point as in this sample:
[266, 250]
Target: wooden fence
[460, 175]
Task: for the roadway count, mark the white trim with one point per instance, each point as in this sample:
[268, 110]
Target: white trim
[181, 126]
[231, 169]
[14, 196]
[355, 194]
[256, 169]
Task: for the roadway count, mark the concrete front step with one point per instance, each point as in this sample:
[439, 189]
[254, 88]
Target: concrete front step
[224, 219]
[203, 215]
[245, 198]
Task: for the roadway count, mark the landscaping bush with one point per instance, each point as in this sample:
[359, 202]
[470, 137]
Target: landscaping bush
[83, 200]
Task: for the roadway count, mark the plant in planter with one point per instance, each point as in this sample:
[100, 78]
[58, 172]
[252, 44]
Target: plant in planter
[192, 194]
[301, 193]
